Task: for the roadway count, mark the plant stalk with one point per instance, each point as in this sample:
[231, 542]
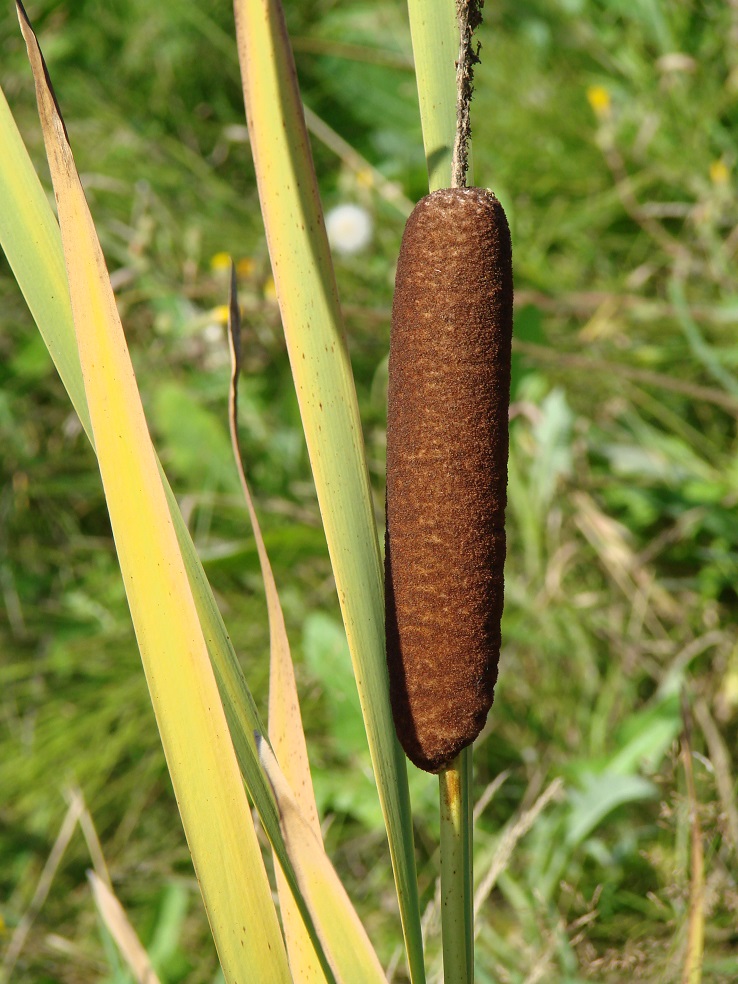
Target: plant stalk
[456, 870]
[469, 17]
[455, 782]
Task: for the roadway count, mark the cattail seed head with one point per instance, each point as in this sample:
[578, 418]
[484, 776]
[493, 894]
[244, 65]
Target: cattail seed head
[447, 447]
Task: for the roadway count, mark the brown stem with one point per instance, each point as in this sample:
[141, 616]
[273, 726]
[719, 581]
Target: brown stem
[469, 16]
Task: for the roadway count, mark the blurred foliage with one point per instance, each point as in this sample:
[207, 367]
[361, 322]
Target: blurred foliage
[608, 131]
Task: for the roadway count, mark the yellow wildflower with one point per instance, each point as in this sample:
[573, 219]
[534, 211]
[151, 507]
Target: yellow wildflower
[365, 178]
[599, 99]
[219, 314]
[719, 172]
[221, 261]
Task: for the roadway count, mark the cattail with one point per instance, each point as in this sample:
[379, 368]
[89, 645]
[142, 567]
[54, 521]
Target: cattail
[447, 447]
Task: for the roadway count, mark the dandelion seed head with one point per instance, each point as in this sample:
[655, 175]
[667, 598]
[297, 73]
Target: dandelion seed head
[349, 228]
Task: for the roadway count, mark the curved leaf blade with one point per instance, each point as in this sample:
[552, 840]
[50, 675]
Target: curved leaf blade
[31, 240]
[344, 939]
[210, 794]
[285, 721]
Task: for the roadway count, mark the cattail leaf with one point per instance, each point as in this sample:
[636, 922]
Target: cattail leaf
[202, 763]
[285, 721]
[342, 934]
[313, 326]
[435, 37]
[286, 733]
[31, 240]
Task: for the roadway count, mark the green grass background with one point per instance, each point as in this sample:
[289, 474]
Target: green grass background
[608, 130]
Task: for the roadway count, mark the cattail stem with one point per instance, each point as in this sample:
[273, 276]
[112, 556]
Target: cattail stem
[455, 782]
[457, 911]
[469, 17]
[447, 443]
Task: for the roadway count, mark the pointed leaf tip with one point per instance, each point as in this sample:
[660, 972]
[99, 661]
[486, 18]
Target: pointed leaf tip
[36, 57]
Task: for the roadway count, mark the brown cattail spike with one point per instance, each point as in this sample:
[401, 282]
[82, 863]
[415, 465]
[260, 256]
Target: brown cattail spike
[447, 446]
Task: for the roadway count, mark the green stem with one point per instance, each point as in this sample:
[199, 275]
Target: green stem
[436, 43]
[457, 907]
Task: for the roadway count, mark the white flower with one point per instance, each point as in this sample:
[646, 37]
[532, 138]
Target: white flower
[349, 228]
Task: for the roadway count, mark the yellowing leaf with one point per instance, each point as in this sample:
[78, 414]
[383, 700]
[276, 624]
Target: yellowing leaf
[285, 721]
[29, 235]
[344, 939]
[202, 763]
[113, 915]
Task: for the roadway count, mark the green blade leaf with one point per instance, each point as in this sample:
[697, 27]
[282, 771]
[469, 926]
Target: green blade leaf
[30, 238]
[435, 37]
[313, 326]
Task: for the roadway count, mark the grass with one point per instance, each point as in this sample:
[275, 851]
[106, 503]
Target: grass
[615, 163]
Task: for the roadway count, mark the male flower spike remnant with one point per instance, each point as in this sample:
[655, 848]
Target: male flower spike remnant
[447, 448]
